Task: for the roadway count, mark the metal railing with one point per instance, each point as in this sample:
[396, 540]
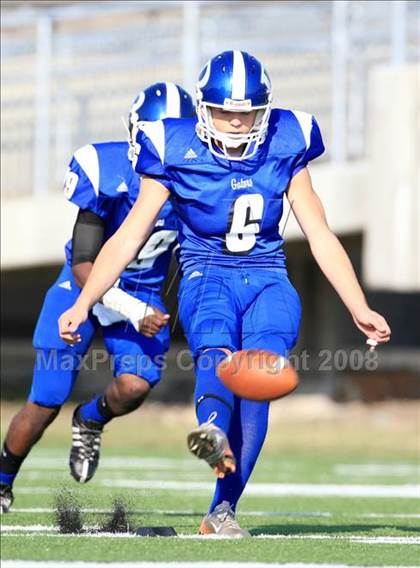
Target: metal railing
[70, 72]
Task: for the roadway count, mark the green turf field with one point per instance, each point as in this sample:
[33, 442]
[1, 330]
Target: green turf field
[336, 503]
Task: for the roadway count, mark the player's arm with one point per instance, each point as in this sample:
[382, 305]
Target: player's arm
[88, 237]
[332, 258]
[115, 255]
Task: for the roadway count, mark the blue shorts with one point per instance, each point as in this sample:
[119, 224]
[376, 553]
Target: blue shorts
[57, 364]
[239, 309]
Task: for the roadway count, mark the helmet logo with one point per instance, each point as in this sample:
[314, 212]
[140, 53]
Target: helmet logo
[230, 104]
[206, 76]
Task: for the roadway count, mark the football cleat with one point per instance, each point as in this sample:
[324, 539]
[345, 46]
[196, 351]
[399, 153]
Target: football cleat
[208, 442]
[85, 449]
[222, 522]
[6, 498]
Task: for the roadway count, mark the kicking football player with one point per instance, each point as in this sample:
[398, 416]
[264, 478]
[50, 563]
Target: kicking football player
[227, 175]
[100, 181]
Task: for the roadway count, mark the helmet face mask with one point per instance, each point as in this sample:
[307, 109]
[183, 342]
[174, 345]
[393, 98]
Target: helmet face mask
[230, 141]
[233, 81]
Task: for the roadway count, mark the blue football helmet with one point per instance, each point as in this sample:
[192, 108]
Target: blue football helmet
[160, 100]
[233, 81]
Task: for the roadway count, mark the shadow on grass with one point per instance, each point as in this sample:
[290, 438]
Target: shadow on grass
[151, 513]
[300, 529]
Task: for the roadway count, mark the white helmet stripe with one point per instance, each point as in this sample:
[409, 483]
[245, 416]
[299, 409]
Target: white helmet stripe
[238, 76]
[173, 101]
[203, 82]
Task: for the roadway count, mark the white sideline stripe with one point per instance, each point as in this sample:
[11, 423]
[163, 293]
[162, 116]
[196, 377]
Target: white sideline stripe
[125, 462]
[382, 469]
[35, 490]
[53, 531]
[38, 476]
[53, 564]
[27, 528]
[129, 462]
[275, 489]
[322, 514]
[260, 489]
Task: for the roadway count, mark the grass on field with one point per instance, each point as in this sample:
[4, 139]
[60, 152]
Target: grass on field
[311, 441]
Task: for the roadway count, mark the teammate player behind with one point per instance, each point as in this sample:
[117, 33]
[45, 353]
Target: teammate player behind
[100, 181]
[227, 175]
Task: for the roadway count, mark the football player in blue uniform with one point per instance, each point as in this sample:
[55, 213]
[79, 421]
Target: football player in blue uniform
[227, 173]
[100, 181]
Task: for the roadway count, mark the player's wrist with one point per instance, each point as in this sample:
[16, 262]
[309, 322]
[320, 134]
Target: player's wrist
[83, 303]
[130, 307]
[360, 309]
[141, 311]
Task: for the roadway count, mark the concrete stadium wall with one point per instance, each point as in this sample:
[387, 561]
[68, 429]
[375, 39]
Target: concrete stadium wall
[379, 197]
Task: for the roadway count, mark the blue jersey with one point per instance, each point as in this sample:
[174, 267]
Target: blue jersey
[100, 179]
[228, 211]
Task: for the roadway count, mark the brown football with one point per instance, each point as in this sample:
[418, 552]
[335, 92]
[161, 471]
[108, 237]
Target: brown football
[256, 374]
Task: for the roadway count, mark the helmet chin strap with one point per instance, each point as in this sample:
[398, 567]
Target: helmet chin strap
[234, 144]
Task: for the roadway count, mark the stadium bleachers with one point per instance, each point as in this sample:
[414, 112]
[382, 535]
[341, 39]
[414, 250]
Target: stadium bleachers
[101, 54]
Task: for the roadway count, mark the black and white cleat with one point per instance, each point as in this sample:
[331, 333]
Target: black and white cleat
[85, 449]
[6, 498]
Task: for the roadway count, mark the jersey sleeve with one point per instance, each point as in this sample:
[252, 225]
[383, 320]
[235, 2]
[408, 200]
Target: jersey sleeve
[313, 146]
[148, 153]
[81, 183]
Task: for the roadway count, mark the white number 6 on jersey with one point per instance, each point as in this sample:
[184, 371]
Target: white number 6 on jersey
[245, 217]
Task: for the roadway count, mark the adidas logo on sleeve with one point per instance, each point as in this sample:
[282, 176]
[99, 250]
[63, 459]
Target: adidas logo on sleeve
[122, 187]
[190, 154]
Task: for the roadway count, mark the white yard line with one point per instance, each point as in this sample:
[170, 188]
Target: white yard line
[122, 462]
[388, 516]
[19, 530]
[36, 490]
[322, 514]
[259, 489]
[39, 475]
[375, 469]
[175, 464]
[276, 489]
[54, 564]
[27, 528]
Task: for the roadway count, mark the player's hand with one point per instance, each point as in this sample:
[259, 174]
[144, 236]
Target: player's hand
[151, 325]
[373, 325]
[69, 323]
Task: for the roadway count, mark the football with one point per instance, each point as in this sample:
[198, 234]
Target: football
[259, 375]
